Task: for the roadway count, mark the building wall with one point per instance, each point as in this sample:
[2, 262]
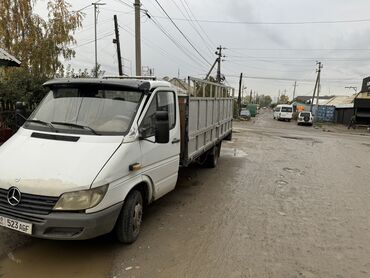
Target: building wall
[343, 115]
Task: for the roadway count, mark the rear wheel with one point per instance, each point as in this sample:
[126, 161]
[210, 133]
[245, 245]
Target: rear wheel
[129, 221]
[213, 155]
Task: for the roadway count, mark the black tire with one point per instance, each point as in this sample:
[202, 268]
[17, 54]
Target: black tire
[212, 157]
[129, 221]
[229, 137]
[289, 120]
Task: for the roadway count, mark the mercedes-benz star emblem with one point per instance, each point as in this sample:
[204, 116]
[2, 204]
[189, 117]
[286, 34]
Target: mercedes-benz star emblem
[14, 196]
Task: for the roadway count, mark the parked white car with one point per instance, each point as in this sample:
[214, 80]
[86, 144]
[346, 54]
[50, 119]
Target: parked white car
[283, 112]
[305, 118]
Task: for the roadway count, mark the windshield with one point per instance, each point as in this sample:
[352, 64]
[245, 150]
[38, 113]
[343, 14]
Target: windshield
[86, 109]
[286, 109]
[305, 114]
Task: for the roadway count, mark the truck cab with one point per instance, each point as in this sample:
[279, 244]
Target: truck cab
[91, 148]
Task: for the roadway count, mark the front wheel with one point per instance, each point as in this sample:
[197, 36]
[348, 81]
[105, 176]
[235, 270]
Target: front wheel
[129, 221]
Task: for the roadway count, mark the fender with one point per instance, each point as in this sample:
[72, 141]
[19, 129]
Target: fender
[119, 189]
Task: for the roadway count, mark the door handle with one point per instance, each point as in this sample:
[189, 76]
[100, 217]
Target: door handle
[175, 141]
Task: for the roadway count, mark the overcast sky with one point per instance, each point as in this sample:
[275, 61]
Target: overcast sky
[271, 55]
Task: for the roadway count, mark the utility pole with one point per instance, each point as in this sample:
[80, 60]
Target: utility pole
[218, 62]
[278, 100]
[219, 59]
[137, 37]
[295, 86]
[96, 32]
[317, 85]
[117, 42]
[319, 80]
[240, 94]
[250, 97]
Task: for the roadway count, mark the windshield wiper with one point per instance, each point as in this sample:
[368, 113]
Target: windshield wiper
[42, 123]
[76, 126]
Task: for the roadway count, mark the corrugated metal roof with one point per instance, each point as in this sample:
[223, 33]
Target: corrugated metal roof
[341, 101]
[8, 60]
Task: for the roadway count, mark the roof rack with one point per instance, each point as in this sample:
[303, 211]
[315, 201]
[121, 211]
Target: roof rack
[130, 77]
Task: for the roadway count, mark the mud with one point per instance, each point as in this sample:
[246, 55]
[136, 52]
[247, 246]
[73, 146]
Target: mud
[42, 258]
[274, 207]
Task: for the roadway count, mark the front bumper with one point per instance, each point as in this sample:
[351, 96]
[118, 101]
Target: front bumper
[69, 225]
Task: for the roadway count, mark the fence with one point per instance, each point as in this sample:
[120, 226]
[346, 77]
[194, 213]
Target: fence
[324, 113]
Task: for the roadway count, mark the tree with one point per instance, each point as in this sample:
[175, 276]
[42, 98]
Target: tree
[283, 99]
[265, 101]
[39, 43]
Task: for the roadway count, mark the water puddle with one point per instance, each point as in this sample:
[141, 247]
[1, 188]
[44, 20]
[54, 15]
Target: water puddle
[233, 152]
[42, 258]
[292, 170]
[281, 182]
[311, 140]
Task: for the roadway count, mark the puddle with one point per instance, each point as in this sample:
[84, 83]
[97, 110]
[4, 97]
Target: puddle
[233, 152]
[42, 258]
[292, 170]
[313, 141]
[281, 182]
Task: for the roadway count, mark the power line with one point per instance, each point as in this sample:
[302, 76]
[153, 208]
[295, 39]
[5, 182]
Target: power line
[178, 45]
[196, 50]
[287, 79]
[273, 22]
[195, 19]
[91, 41]
[298, 49]
[124, 3]
[150, 44]
[192, 24]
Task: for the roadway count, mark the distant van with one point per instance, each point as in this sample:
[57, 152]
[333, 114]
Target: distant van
[283, 112]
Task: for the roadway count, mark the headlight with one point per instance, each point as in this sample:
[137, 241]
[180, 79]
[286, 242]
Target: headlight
[80, 200]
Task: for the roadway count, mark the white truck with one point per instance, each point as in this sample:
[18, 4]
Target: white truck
[97, 151]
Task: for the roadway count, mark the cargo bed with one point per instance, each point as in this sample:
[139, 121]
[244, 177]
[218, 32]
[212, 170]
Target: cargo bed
[206, 115]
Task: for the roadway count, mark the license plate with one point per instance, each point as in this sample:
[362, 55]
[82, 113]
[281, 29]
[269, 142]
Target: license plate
[16, 225]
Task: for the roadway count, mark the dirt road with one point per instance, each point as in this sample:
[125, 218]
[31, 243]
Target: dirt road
[284, 201]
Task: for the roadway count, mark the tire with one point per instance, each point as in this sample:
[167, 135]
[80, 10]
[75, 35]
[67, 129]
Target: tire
[289, 120]
[212, 157]
[229, 137]
[129, 221]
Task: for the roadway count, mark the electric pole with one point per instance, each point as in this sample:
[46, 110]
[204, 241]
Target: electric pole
[219, 59]
[250, 97]
[240, 94]
[137, 37]
[295, 86]
[218, 62]
[317, 85]
[319, 80]
[96, 40]
[117, 42]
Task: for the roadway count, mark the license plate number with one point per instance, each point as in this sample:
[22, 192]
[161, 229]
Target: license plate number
[16, 225]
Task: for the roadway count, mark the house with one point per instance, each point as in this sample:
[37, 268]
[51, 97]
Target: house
[7, 60]
[362, 103]
[344, 108]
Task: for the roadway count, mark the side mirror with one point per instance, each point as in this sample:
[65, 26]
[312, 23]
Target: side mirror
[162, 127]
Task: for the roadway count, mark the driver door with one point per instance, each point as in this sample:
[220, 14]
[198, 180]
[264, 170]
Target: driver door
[161, 161]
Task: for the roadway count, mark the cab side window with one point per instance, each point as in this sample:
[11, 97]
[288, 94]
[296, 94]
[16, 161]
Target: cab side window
[163, 101]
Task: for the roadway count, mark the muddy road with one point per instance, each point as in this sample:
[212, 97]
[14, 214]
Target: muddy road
[284, 201]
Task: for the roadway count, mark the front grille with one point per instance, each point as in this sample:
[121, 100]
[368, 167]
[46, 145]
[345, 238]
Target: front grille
[11, 213]
[34, 204]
